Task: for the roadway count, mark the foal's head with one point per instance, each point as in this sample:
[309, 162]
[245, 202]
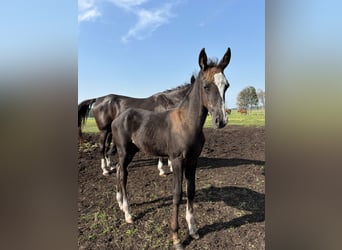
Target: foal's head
[214, 86]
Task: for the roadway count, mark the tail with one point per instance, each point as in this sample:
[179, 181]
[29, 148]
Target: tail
[83, 112]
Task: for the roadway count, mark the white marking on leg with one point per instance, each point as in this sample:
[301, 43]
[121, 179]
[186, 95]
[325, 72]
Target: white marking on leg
[190, 219]
[103, 166]
[109, 164]
[108, 161]
[169, 163]
[126, 209]
[119, 199]
[160, 167]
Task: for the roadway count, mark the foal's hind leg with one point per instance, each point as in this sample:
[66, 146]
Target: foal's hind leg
[125, 157]
[118, 186]
[121, 195]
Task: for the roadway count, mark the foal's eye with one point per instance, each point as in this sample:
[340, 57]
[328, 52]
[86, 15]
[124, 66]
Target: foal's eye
[206, 87]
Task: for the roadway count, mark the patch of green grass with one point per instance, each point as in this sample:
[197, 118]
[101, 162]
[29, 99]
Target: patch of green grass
[88, 147]
[90, 126]
[99, 223]
[253, 118]
[154, 235]
[131, 232]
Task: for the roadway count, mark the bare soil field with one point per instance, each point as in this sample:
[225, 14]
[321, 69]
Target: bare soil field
[229, 203]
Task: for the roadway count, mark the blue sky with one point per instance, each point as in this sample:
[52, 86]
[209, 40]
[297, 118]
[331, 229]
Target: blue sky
[140, 47]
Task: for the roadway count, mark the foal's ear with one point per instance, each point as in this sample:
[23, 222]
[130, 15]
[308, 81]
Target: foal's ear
[225, 59]
[202, 60]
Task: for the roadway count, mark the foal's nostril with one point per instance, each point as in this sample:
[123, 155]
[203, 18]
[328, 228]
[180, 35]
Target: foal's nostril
[222, 124]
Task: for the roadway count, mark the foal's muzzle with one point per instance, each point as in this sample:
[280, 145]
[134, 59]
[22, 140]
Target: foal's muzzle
[219, 120]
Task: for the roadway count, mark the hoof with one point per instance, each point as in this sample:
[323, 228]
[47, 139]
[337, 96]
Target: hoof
[112, 171]
[195, 236]
[178, 246]
[162, 174]
[105, 173]
[129, 220]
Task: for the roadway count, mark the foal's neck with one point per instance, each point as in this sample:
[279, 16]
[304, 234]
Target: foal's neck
[193, 104]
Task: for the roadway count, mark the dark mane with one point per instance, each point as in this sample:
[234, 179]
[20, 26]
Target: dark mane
[180, 87]
[213, 62]
[185, 85]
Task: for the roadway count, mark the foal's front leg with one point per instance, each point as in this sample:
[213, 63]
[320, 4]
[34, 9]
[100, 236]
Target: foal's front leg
[177, 197]
[190, 172]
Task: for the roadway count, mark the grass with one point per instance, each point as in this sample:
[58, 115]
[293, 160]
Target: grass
[90, 126]
[99, 222]
[253, 118]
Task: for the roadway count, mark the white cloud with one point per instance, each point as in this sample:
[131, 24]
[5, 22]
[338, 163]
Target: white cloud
[87, 10]
[148, 22]
[148, 19]
[128, 4]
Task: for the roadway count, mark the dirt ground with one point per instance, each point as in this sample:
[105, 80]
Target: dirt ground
[229, 202]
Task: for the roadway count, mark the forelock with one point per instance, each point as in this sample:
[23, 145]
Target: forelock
[210, 73]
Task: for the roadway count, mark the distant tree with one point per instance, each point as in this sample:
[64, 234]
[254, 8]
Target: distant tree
[242, 100]
[261, 97]
[247, 98]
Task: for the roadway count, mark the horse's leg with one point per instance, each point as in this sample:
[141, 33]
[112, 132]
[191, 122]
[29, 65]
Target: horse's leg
[121, 195]
[126, 155]
[160, 167]
[118, 185]
[110, 150]
[80, 137]
[190, 172]
[103, 137]
[177, 196]
[169, 163]
[107, 147]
